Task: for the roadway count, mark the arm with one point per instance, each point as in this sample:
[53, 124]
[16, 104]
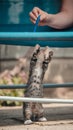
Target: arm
[64, 18]
[60, 20]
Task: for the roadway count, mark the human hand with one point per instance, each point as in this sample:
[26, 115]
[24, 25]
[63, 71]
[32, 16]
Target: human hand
[44, 16]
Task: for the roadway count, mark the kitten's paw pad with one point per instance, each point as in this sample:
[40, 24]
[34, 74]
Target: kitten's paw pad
[42, 119]
[28, 122]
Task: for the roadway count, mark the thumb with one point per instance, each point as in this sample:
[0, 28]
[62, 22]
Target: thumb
[42, 17]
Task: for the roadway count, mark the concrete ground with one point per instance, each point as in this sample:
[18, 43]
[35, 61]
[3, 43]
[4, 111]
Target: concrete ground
[59, 116]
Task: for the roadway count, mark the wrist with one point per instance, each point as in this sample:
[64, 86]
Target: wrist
[49, 19]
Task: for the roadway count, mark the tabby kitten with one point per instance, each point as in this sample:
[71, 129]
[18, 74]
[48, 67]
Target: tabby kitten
[38, 66]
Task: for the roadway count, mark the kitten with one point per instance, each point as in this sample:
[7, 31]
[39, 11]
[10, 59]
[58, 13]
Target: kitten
[38, 66]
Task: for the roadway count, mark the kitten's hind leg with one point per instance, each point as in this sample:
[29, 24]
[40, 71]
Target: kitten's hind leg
[41, 116]
[42, 119]
[27, 120]
[27, 112]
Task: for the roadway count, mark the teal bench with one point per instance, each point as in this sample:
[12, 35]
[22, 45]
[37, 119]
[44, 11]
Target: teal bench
[16, 28]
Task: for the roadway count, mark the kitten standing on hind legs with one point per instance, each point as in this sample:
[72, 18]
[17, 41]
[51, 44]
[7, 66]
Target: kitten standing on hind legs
[38, 66]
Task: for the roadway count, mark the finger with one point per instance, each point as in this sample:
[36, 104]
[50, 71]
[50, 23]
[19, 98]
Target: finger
[33, 21]
[42, 17]
[35, 11]
[41, 24]
[32, 16]
[38, 10]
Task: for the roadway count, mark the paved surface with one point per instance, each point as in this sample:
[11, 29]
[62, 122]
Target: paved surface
[60, 117]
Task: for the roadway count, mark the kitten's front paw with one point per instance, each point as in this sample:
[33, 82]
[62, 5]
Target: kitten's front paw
[42, 119]
[28, 122]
